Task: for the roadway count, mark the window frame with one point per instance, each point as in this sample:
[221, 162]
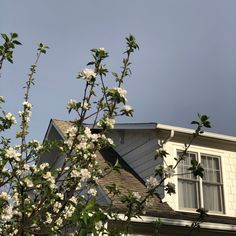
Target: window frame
[200, 182]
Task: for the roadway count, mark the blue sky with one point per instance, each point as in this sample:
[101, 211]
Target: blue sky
[186, 62]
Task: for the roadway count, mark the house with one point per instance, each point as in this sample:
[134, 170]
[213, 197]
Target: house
[136, 145]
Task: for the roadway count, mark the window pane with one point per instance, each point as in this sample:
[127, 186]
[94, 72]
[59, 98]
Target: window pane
[212, 197]
[215, 163]
[211, 169]
[187, 194]
[185, 164]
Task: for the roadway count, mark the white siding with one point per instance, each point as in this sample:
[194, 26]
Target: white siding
[228, 166]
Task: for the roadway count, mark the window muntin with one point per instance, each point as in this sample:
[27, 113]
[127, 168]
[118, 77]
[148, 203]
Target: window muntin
[195, 192]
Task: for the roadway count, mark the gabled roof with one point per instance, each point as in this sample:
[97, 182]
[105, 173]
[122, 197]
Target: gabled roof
[126, 178]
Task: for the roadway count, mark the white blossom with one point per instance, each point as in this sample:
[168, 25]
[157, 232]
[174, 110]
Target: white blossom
[122, 92]
[73, 200]
[102, 50]
[108, 122]
[85, 174]
[48, 176]
[71, 104]
[92, 191]
[11, 118]
[98, 225]
[4, 196]
[136, 195]
[85, 105]
[7, 213]
[29, 183]
[151, 182]
[127, 108]
[169, 171]
[87, 74]
[48, 218]
[27, 105]
[11, 153]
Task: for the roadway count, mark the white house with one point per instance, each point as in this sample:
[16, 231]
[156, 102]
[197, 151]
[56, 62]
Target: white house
[136, 145]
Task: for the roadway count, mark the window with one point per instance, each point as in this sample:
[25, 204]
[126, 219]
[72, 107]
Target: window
[195, 192]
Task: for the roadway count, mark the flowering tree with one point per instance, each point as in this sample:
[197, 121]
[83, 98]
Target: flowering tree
[38, 200]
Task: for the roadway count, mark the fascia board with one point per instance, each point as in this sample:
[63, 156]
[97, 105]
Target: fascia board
[179, 222]
[190, 131]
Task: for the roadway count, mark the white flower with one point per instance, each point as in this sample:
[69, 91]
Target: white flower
[87, 74]
[151, 182]
[12, 154]
[85, 105]
[149, 202]
[48, 176]
[110, 141]
[60, 195]
[57, 206]
[108, 122]
[75, 173]
[98, 225]
[122, 92]
[1, 99]
[49, 218]
[73, 200]
[7, 213]
[4, 196]
[102, 50]
[127, 108]
[92, 191]
[59, 221]
[43, 166]
[29, 183]
[169, 171]
[27, 105]
[136, 195]
[11, 118]
[85, 174]
[71, 104]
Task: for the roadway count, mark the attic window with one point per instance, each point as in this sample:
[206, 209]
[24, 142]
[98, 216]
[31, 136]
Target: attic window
[195, 192]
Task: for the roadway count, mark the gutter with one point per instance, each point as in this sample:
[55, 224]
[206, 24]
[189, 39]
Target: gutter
[190, 131]
[182, 223]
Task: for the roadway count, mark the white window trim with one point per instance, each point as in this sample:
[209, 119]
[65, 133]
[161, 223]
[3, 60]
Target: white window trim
[202, 151]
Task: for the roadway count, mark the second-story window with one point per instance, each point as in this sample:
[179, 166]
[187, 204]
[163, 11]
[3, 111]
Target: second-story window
[195, 192]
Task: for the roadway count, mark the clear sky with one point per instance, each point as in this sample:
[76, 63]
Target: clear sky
[186, 62]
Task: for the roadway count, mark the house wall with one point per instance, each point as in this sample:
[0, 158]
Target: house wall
[138, 149]
[228, 166]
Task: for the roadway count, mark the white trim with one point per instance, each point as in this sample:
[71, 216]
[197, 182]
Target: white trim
[178, 222]
[190, 131]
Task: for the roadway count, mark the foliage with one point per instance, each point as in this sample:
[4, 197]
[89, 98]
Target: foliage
[39, 200]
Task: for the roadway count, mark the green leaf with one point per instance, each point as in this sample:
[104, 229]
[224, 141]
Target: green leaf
[5, 37]
[14, 35]
[10, 60]
[83, 232]
[16, 42]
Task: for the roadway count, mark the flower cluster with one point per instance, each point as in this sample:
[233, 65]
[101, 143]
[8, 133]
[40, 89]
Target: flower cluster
[10, 118]
[72, 104]
[106, 123]
[151, 183]
[87, 74]
[26, 113]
